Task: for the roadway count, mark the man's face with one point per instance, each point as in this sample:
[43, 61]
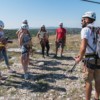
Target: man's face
[61, 26]
[85, 21]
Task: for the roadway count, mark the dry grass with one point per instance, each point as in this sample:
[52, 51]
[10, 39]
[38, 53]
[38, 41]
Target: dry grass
[72, 42]
[43, 78]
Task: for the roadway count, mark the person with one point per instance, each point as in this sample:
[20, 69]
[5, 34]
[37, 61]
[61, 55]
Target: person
[43, 37]
[19, 31]
[60, 38]
[3, 52]
[25, 44]
[91, 69]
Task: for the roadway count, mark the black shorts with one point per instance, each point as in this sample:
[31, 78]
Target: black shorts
[91, 64]
[60, 43]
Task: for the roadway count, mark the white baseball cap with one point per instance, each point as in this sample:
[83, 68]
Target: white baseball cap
[24, 26]
[90, 14]
[1, 24]
[60, 24]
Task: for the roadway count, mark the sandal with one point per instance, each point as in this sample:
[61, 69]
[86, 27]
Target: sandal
[12, 71]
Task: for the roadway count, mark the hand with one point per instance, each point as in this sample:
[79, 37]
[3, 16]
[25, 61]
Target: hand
[4, 41]
[77, 59]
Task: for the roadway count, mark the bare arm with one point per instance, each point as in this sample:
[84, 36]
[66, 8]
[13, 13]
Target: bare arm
[56, 37]
[20, 39]
[17, 32]
[83, 47]
[38, 35]
[65, 38]
[82, 50]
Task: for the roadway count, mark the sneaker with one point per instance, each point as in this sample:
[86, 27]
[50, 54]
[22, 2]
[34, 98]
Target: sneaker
[26, 76]
[55, 56]
[47, 55]
[43, 56]
[3, 78]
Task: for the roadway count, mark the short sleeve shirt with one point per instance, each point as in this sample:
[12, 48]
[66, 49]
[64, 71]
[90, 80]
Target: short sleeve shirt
[1, 34]
[60, 33]
[88, 34]
[42, 34]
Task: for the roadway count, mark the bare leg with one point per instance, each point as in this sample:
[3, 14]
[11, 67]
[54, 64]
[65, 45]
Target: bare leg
[97, 90]
[61, 51]
[88, 90]
[97, 84]
[90, 77]
[56, 51]
[24, 61]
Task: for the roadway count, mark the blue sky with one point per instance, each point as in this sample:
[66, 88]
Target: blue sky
[48, 12]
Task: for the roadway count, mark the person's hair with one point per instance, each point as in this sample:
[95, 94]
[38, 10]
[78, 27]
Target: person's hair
[91, 20]
[44, 30]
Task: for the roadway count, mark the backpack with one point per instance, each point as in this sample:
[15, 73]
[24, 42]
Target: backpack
[98, 41]
[96, 32]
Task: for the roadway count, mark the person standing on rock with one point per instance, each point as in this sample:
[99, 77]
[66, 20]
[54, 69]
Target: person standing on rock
[25, 44]
[60, 38]
[91, 69]
[3, 43]
[43, 37]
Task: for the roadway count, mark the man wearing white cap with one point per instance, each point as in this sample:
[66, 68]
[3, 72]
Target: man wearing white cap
[88, 44]
[60, 38]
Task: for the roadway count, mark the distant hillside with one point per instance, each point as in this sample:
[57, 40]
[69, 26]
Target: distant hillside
[11, 33]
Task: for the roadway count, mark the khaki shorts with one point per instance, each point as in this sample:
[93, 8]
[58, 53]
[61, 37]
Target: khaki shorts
[89, 74]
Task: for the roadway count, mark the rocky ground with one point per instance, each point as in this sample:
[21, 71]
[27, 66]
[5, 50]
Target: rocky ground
[49, 79]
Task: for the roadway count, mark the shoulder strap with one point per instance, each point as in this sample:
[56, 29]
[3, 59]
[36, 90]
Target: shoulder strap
[91, 48]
